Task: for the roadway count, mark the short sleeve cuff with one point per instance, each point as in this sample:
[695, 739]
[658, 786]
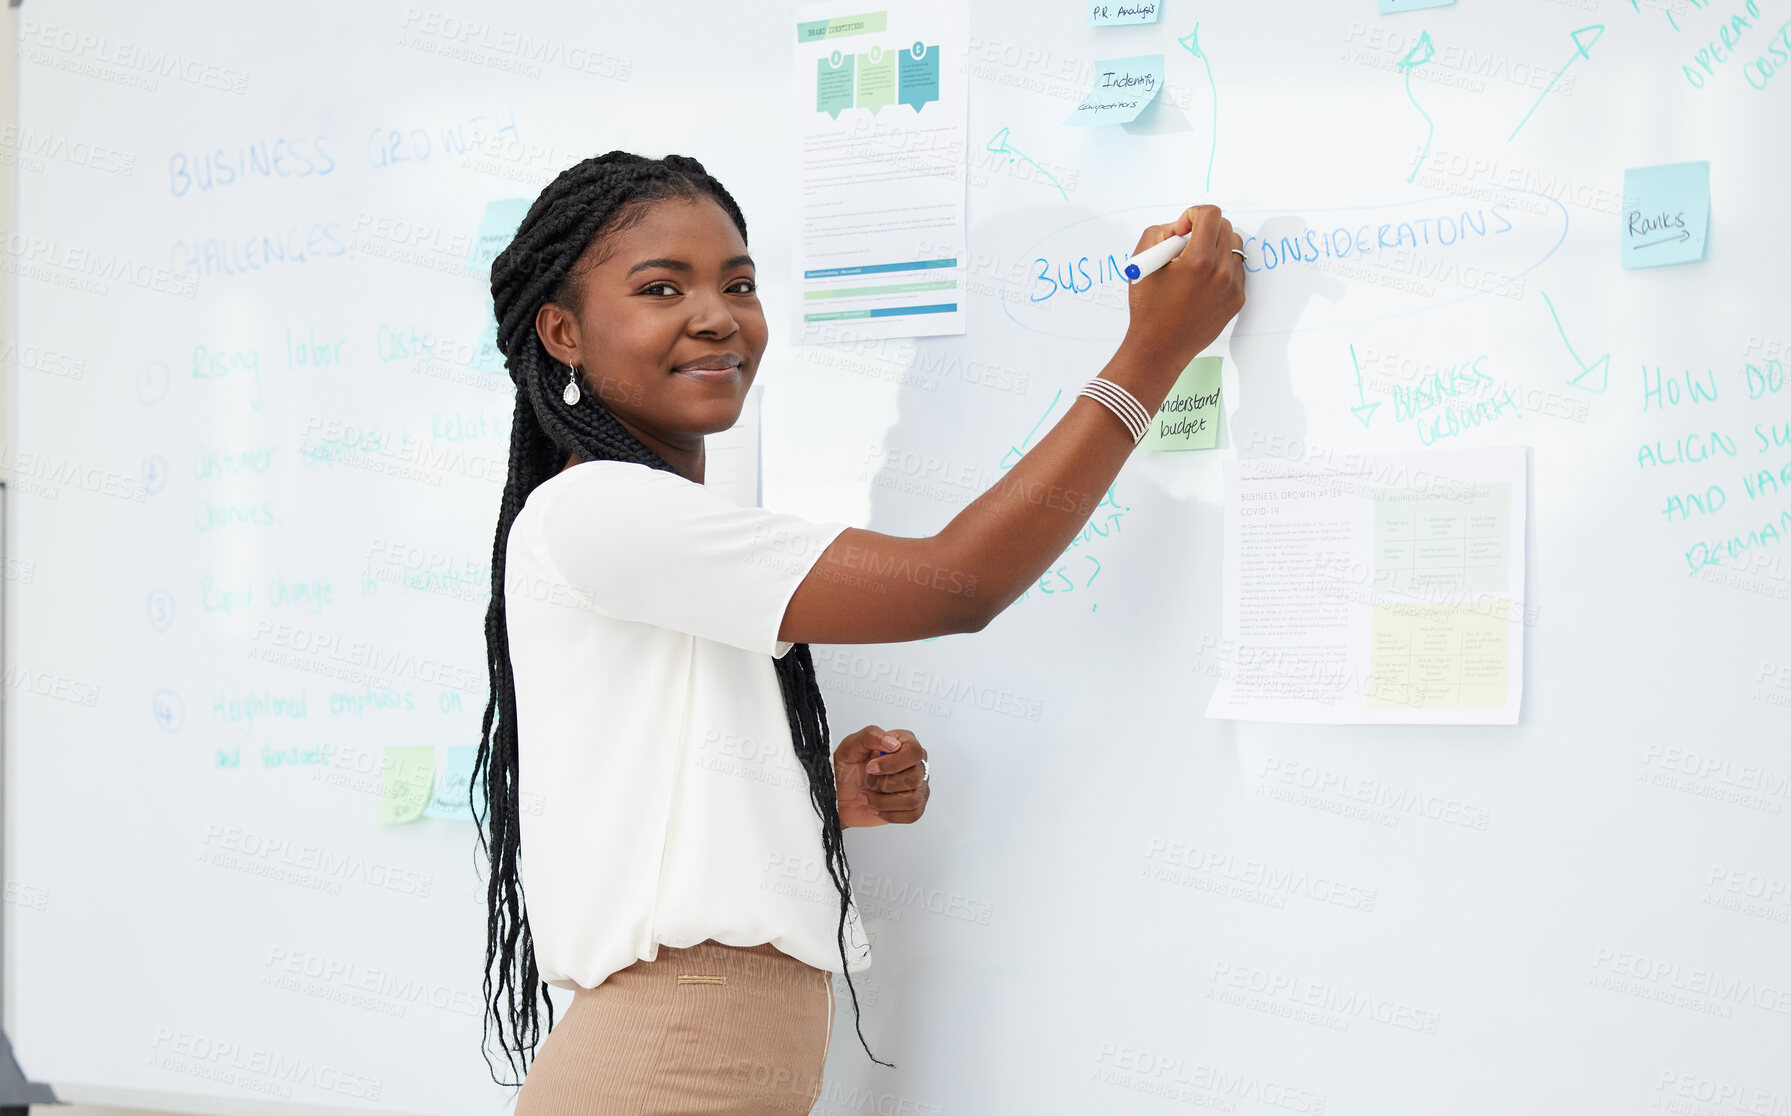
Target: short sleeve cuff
[796, 551]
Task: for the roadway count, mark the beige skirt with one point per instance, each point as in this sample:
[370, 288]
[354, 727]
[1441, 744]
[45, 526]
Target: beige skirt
[714, 1029]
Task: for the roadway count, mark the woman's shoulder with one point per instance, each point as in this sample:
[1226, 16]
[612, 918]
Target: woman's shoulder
[601, 480]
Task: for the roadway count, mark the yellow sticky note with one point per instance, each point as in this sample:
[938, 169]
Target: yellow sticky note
[406, 783]
[1189, 417]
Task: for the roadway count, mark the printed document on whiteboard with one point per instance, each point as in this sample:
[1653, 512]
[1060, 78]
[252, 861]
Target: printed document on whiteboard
[1374, 589]
[880, 134]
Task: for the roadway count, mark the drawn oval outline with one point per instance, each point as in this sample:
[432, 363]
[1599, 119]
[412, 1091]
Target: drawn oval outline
[1030, 256]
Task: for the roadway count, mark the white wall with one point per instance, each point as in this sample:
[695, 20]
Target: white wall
[9, 116]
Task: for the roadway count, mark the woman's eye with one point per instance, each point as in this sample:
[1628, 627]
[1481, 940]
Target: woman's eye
[652, 287]
[743, 286]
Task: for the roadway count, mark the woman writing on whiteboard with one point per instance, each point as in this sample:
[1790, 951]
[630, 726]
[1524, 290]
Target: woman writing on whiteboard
[655, 754]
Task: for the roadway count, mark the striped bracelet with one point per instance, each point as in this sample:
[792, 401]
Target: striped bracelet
[1122, 403]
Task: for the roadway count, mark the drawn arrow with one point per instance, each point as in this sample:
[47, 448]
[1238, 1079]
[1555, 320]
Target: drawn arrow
[1582, 48]
[1410, 62]
[1364, 411]
[1683, 236]
[1663, 11]
[999, 145]
[1191, 43]
[1601, 366]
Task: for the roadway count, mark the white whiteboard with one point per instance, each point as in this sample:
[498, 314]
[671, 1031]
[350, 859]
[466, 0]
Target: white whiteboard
[1113, 904]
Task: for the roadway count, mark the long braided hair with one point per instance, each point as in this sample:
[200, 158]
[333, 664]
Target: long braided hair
[586, 201]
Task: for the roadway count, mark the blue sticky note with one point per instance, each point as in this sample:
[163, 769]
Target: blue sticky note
[1119, 13]
[1666, 214]
[496, 229]
[1411, 5]
[1122, 87]
[486, 357]
[450, 797]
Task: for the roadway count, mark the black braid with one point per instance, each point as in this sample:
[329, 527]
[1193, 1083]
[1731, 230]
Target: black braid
[591, 199]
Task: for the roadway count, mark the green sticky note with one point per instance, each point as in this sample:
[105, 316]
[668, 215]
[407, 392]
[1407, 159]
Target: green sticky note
[876, 79]
[1666, 214]
[450, 798]
[1189, 417]
[406, 783]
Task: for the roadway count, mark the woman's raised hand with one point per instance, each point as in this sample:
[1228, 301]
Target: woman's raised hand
[1181, 307]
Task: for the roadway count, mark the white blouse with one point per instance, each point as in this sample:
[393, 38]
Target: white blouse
[662, 801]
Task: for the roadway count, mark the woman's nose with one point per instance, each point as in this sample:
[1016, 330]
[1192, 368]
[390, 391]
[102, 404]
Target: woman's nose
[710, 315]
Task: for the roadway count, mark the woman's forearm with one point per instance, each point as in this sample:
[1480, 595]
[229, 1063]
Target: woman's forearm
[1007, 537]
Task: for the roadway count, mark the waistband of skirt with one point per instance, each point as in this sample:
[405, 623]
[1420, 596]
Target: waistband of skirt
[760, 963]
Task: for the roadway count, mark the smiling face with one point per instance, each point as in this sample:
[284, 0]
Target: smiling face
[668, 329]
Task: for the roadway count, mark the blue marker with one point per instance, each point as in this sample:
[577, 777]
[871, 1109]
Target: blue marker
[1155, 256]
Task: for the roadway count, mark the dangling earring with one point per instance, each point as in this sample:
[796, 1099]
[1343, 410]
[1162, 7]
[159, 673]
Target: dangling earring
[570, 395]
